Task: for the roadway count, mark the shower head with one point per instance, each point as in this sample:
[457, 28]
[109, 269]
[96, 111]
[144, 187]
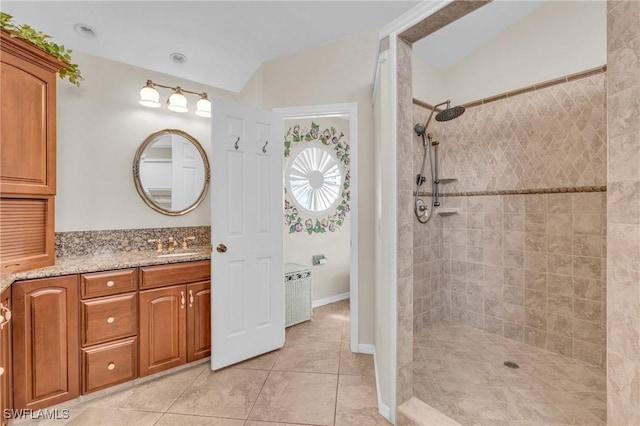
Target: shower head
[444, 115]
[450, 113]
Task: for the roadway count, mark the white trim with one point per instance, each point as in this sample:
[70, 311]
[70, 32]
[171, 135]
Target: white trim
[383, 409]
[330, 299]
[348, 111]
[366, 348]
[382, 58]
[393, 48]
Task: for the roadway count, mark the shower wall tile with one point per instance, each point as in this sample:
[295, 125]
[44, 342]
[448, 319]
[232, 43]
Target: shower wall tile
[547, 138]
[541, 284]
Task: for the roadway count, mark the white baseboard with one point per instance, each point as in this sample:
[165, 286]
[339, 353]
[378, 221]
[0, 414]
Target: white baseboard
[365, 348]
[383, 409]
[330, 299]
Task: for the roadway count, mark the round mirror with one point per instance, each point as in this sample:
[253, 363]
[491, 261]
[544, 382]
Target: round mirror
[171, 172]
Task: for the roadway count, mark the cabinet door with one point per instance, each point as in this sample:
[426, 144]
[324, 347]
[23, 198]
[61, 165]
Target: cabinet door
[45, 331]
[199, 320]
[28, 131]
[6, 389]
[163, 323]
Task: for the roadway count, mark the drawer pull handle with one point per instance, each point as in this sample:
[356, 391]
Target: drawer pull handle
[191, 298]
[182, 300]
[110, 320]
[1, 371]
[111, 366]
[110, 283]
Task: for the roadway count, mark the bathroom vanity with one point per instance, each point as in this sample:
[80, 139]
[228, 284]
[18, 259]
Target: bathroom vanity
[80, 327]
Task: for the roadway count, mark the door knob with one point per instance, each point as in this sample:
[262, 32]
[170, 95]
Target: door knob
[221, 248]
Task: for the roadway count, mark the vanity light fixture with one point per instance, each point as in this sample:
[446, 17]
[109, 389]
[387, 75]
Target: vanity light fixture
[177, 102]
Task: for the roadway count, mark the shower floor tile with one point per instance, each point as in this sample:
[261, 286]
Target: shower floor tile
[460, 371]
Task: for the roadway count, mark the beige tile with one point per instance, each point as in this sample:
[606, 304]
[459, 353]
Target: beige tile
[156, 395]
[314, 331]
[355, 363]
[170, 419]
[114, 417]
[309, 356]
[357, 403]
[262, 362]
[227, 393]
[292, 397]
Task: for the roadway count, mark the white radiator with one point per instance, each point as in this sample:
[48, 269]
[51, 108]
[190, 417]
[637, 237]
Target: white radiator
[297, 293]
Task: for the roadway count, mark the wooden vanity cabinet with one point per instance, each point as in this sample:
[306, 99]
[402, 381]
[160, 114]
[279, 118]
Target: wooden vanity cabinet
[45, 342]
[109, 328]
[6, 374]
[175, 315]
[27, 155]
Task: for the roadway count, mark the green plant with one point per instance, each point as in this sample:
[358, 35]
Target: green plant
[41, 40]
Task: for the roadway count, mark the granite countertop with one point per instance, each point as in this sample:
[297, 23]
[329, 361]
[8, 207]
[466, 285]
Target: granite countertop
[105, 262]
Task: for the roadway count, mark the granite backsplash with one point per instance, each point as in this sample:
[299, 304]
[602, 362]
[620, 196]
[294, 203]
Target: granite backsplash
[86, 243]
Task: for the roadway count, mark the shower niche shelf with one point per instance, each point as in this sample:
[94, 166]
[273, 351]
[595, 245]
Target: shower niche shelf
[447, 180]
[447, 211]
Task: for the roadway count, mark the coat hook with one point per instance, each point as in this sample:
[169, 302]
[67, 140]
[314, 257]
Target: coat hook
[264, 148]
[236, 144]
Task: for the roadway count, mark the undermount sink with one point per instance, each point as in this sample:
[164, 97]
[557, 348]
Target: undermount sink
[178, 254]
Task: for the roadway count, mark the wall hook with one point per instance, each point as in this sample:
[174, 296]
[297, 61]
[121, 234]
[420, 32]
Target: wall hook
[264, 148]
[235, 145]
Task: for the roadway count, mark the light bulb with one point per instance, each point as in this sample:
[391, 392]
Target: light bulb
[149, 96]
[203, 107]
[177, 102]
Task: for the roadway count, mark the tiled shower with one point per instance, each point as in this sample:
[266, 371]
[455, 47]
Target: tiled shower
[520, 254]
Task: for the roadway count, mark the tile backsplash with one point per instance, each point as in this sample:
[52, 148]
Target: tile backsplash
[85, 243]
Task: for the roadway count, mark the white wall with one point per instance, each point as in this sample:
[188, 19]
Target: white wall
[332, 278]
[559, 38]
[100, 127]
[335, 73]
[384, 232]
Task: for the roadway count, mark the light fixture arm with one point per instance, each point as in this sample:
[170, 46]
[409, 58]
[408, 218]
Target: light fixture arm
[151, 83]
[177, 102]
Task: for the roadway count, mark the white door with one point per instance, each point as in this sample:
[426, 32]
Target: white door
[247, 278]
[188, 173]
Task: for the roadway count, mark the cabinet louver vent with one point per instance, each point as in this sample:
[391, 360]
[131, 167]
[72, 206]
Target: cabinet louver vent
[22, 227]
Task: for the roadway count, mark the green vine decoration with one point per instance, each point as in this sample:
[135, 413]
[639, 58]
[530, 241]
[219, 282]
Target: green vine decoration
[41, 40]
[294, 219]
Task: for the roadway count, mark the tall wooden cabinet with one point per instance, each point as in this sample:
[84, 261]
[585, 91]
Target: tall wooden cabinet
[175, 315]
[46, 370]
[27, 155]
[6, 374]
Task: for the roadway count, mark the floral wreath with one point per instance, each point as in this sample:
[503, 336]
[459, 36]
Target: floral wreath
[328, 137]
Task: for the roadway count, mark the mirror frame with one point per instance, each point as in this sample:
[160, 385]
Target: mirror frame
[136, 172]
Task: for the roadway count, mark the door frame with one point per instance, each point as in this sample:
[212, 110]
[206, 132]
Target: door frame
[347, 111]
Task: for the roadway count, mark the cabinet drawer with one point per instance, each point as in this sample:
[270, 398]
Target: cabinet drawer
[109, 318]
[109, 364]
[176, 273]
[108, 283]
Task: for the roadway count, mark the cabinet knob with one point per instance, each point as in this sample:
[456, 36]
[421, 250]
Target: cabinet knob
[111, 366]
[110, 283]
[110, 320]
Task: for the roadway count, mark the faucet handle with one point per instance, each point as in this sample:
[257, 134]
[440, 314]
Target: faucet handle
[159, 241]
[185, 244]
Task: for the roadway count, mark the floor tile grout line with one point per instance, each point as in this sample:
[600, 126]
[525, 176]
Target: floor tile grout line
[204, 368]
[259, 393]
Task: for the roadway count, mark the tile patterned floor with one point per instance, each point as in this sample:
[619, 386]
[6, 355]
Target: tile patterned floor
[459, 370]
[314, 380]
